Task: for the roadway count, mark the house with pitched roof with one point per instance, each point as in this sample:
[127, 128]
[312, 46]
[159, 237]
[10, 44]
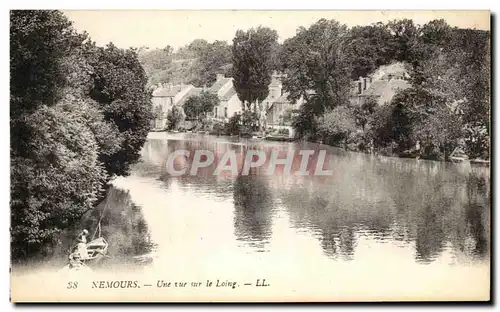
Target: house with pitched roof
[277, 105]
[229, 104]
[381, 86]
[166, 96]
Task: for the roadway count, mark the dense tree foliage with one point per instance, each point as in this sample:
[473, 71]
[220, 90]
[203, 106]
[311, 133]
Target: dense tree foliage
[369, 47]
[244, 123]
[317, 68]
[253, 63]
[362, 113]
[174, 118]
[60, 180]
[337, 124]
[79, 114]
[447, 105]
[209, 62]
[198, 106]
[119, 86]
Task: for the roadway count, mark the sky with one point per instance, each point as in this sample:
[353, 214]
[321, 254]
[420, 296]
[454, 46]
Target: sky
[159, 28]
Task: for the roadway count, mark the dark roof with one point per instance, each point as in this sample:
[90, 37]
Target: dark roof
[229, 94]
[168, 91]
[394, 75]
[376, 88]
[192, 92]
[399, 84]
[218, 84]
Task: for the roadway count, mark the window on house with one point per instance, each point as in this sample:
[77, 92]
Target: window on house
[225, 112]
[215, 111]
[359, 88]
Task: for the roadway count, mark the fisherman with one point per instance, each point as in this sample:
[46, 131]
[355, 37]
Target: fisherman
[82, 237]
[81, 246]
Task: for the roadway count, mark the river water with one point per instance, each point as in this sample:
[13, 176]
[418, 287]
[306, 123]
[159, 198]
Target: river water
[413, 226]
[377, 228]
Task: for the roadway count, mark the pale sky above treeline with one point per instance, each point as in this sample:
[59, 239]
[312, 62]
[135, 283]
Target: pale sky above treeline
[159, 28]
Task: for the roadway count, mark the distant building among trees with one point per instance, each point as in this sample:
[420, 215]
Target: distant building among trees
[381, 86]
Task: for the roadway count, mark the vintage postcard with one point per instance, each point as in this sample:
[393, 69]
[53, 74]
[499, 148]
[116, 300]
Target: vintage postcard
[250, 156]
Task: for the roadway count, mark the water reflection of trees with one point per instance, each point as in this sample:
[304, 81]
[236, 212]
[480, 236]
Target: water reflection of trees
[478, 213]
[154, 158]
[441, 211]
[430, 234]
[123, 226]
[429, 205]
[334, 225]
[253, 209]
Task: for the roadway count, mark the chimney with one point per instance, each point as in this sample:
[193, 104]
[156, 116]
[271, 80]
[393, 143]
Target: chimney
[219, 77]
[366, 83]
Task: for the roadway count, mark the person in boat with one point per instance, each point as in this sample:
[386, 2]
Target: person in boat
[81, 246]
[82, 237]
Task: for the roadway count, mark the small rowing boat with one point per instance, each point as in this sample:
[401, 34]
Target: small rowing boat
[96, 249]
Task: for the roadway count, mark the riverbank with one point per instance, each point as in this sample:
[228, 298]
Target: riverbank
[405, 154]
[384, 152]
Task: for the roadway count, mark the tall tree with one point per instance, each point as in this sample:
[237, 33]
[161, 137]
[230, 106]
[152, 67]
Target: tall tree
[317, 69]
[369, 48]
[405, 34]
[455, 70]
[55, 171]
[79, 114]
[120, 89]
[39, 44]
[253, 63]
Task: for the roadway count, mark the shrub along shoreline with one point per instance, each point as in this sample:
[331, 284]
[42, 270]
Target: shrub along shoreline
[79, 116]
